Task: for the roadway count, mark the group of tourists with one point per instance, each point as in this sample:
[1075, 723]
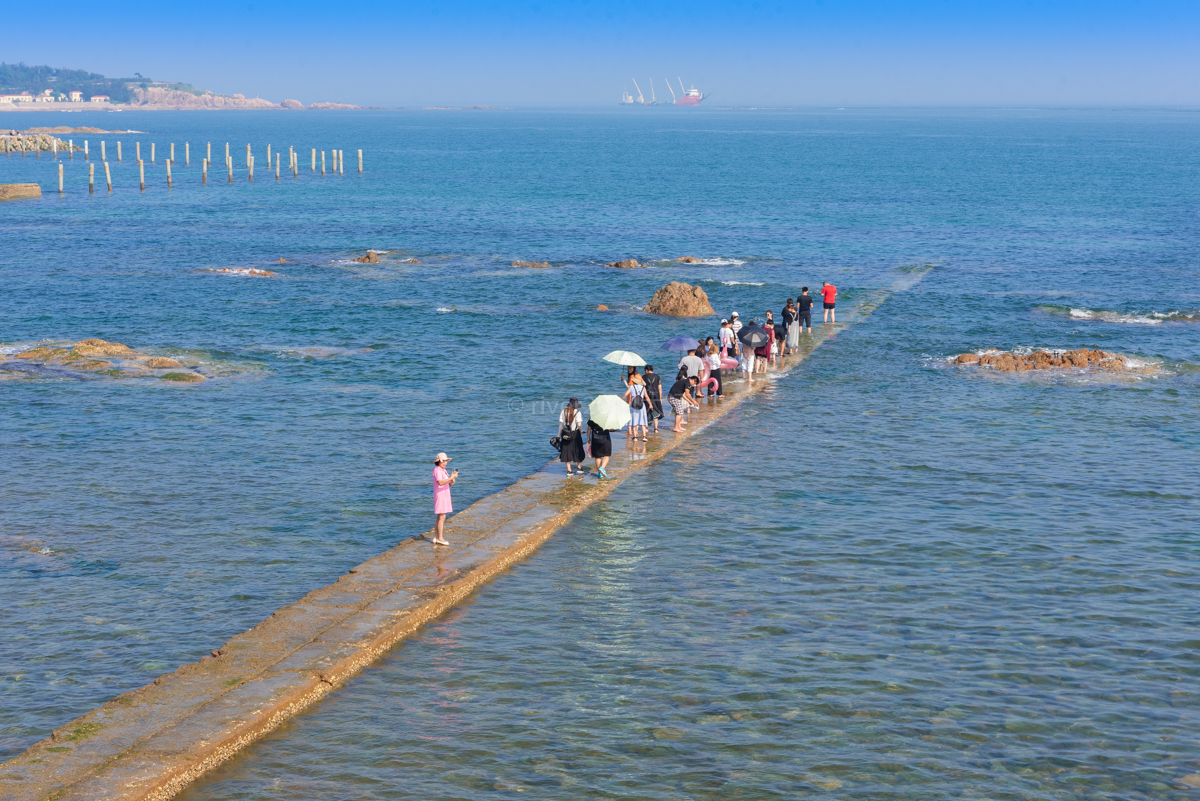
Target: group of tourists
[749, 347]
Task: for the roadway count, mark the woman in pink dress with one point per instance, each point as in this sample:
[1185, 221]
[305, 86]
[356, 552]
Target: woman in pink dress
[442, 482]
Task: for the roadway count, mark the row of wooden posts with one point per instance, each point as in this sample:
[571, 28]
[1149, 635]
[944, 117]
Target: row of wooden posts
[338, 167]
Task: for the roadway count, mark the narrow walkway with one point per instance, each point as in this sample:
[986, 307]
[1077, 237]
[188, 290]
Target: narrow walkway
[151, 742]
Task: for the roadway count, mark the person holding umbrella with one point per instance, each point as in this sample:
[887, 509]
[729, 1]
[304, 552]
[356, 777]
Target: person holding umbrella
[570, 432]
[606, 413]
[751, 337]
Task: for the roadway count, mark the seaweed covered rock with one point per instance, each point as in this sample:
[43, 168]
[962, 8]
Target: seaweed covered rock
[537, 264]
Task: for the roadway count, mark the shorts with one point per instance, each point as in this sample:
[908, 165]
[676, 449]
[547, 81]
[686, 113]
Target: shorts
[805, 318]
[829, 305]
[678, 404]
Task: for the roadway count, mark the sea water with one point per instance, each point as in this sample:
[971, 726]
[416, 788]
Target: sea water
[886, 577]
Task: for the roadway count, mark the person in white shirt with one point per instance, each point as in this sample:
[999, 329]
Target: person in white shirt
[728, 343]
[692, 364]
[736, 325]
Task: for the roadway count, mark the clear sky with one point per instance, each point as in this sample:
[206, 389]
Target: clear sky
[585, 52]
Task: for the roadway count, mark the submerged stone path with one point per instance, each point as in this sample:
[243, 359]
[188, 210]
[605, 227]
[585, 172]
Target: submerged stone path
[149, 743]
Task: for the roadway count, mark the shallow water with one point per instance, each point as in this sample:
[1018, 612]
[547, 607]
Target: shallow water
[910, 579]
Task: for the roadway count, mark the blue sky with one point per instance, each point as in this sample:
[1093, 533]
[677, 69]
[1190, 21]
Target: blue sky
[585, 52]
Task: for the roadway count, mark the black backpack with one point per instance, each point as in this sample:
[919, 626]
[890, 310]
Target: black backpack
[638, 401]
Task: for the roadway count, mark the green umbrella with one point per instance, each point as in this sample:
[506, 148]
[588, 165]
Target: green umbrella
[625, 357]
[609, 412]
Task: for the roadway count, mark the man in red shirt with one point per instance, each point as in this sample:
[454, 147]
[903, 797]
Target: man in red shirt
[829, 293]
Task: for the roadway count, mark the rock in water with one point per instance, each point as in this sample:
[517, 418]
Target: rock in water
[538, 264]
[98, 347]
[161, 362]
[1044, 360]
[967, 358]
[689, 260]
[625, 264]
[18, 191]
[601, 307]
[680, 300]
[371, 257]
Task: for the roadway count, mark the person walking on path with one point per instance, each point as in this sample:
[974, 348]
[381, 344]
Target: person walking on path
[654, 395]
[692, 364]
[735, 325]
[792, 343]
[714, 369]
[600, 445]
[635, 396]
[570, 434]
[728, 341]
[442, 505]
[769, 325]
[748, 358]
[804, 305]
[829, 295]
[680, 398]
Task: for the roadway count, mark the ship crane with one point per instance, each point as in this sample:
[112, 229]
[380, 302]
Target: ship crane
[640, 99]
[653, 99]
[682, 91]
[672, 91]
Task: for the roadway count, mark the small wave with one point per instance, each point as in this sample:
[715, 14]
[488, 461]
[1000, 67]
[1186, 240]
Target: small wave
[722, 262]
[244, 272]
[744, 283]
[1122, 318]
[445, 310]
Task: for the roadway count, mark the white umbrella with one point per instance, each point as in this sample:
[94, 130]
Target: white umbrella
[625, 357]
[609, 412]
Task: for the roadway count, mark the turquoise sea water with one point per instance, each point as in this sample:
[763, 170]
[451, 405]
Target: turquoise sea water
[886, 578]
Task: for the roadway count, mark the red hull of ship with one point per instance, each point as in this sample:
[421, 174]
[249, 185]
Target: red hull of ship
[688, 101]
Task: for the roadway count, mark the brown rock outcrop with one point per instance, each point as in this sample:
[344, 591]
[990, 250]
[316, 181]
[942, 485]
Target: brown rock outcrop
[625, 264]
[689, 260]
[1007, 362]
[410, 261]
[19, 191]
[160, 362]
[538, 264]
[602, 307]
[99, 347]
[371, 257]
[677, 299]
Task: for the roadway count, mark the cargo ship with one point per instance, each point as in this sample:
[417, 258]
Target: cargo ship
[689, 97]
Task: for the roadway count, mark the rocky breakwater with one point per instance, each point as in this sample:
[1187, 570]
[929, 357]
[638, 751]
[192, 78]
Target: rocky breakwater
[17, 142]
[99, 358]
[677, 299]
[1008, 362]
[19, 191]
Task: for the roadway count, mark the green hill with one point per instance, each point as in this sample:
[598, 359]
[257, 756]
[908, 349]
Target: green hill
[17, 78]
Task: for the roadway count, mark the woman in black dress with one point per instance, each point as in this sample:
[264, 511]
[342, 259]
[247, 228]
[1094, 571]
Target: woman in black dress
[653, 395]
[570, 432]
[600, 443]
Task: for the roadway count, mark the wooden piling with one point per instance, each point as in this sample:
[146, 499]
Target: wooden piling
[107, 176]
[70, 148]
[60, 166]
[204, 174]
[250, 166]
[172, 151]
[138, 147]
[91, 178]
[322, 162]
[169, 183]
[247, 156]
[86, 155]
[268, 158]
[187, 154]
[152, 145]
[118, 151]
[208, 155]
[53, 145]
[103, 154]
[360, 162]
[142, 175]
[314, 159]
[277, 155]
[229, 164]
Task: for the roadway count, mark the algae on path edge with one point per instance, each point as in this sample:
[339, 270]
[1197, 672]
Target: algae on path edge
[153, 741]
